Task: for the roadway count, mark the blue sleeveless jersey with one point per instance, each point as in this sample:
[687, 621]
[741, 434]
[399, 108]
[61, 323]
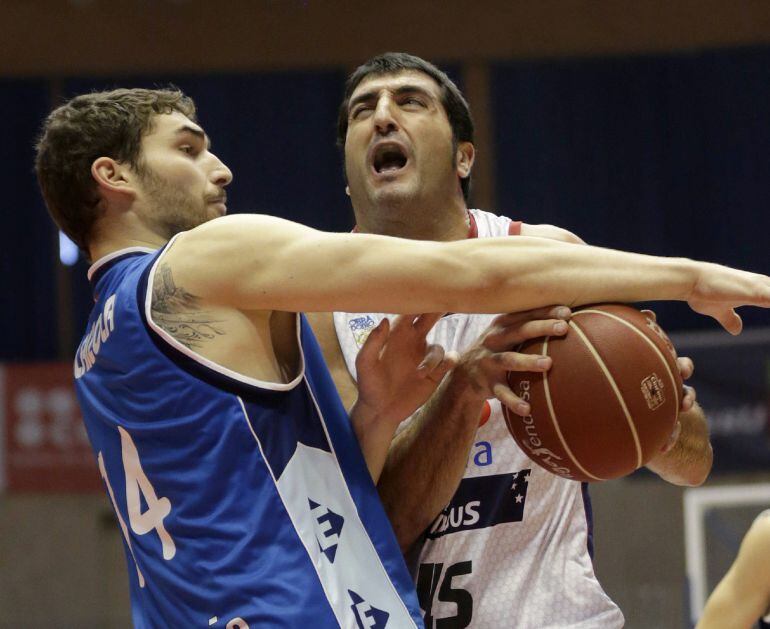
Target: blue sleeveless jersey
[242, 503]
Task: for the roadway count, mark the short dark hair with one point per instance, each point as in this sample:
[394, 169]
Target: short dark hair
[455, 105]
[89, 126]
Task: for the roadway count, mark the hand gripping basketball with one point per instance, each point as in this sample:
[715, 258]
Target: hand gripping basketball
[610, 401]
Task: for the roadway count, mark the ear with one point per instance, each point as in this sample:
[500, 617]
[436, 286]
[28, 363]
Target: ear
[466, 153]
[112, 177]
[347, 190]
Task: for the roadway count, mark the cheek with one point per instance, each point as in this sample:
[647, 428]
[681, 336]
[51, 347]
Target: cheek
[438, 151]
[355, 163]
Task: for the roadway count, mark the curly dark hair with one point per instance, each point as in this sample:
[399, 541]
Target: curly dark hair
[89, 126]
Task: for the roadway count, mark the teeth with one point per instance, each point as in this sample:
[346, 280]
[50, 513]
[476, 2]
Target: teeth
[389, 160]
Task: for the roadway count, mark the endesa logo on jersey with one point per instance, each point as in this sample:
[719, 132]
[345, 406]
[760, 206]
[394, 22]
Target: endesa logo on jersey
[483, 501]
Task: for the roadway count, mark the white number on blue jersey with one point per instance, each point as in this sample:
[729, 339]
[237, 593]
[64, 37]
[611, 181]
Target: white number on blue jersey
[157, 508]
[122, 522]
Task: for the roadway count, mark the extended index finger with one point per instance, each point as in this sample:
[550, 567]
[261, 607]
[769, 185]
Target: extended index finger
[425, 322]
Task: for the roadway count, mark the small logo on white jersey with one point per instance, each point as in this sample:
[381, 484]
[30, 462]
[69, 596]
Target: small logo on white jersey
[367, 617]
[360, 327]
[328, 527]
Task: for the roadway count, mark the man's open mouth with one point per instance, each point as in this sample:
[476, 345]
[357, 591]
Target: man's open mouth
[388, 158]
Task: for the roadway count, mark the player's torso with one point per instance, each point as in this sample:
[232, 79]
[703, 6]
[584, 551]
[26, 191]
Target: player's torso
[511, 548]
[232, 498]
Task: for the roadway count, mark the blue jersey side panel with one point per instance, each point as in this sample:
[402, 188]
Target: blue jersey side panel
[354, 466]
[249, 503]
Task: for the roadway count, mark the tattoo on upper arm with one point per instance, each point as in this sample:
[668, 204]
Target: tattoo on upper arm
[178, 312]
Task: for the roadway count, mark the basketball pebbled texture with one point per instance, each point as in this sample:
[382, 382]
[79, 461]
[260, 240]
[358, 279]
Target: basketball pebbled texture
[610, 400]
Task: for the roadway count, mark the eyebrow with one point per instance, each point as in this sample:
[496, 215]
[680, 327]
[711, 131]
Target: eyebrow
[400, 91]
[198, 133]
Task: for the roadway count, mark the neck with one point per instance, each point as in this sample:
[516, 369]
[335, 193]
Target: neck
[109, 237]
[416, 221]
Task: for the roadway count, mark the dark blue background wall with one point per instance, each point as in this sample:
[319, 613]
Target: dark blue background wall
[665, 155]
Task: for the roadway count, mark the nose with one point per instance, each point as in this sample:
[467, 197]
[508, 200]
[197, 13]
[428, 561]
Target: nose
[384, 118]
[221, 175]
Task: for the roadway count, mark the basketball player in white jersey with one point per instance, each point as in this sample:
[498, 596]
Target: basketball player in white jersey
[743, 595]
[511, 543]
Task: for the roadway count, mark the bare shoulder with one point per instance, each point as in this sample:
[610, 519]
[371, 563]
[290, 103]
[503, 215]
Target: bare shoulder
[230, 236]
[550, 231]
[323, 328]
[181, 313]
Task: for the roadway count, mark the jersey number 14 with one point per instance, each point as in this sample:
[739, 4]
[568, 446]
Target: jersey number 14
[137, 483]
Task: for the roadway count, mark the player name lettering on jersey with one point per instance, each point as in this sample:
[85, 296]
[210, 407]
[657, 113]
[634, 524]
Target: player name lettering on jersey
[483, 501]
[100, 331]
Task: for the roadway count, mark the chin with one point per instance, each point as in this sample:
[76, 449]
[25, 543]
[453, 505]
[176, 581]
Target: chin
[394, 194]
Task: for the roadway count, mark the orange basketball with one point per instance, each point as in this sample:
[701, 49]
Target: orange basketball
[610, 400]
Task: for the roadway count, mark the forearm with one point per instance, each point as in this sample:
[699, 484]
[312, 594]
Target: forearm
[497, 275]
[257, 262]
[689, 461]
[427, 459]
[374, 435]
[733, 608]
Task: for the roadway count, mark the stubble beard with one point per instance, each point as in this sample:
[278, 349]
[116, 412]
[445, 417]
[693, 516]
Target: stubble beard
[172, 208]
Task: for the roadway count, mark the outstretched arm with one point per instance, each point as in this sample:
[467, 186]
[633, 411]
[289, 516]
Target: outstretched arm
[743, 595]
[253, 262]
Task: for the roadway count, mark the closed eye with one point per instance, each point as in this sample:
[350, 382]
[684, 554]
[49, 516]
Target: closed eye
[358, 110]
[413, 101]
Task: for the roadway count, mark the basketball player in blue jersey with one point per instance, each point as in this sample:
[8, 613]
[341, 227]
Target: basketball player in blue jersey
[243, 490]
[743, 595]
[451, 479]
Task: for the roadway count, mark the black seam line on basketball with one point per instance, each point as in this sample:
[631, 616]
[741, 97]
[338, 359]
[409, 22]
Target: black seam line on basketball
[651, 343]
[614, 385]
[555, 421]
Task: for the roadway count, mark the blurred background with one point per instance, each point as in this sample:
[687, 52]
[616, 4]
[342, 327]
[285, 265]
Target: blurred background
[637, 125]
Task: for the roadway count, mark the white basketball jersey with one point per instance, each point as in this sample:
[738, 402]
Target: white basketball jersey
[512, 547]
